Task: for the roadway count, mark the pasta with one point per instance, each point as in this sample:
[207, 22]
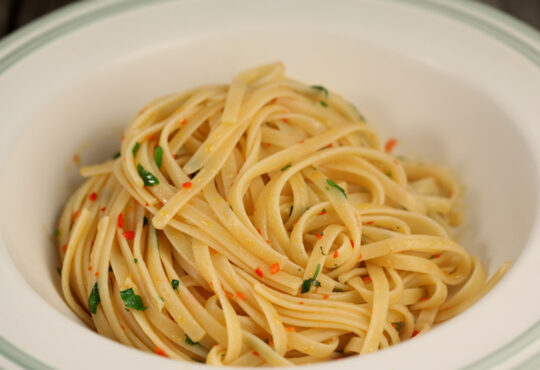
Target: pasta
[263, 223]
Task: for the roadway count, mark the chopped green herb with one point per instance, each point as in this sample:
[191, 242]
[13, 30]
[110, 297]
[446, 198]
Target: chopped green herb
[144, 221]
[160, 297]
[323, 103]
[231, 208]
[290, 211]
[267, 341]
[146, 176]
[327, 188]
[267, 123]
[56, 232]
[306, 284]
[190, 342]
[334, 185]
[398, 325]
[132, 300]
[94, 299]
[116, 155]
[135, 148]
[389, 174]
[175, 284]
[59, 271]
[317, 270]
[135, 260]
[284, 168]
[158, 155]
[322, 252]
[314, 168]
[321, 88]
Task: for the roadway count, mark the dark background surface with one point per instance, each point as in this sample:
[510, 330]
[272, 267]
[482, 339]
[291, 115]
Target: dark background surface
[15, 13]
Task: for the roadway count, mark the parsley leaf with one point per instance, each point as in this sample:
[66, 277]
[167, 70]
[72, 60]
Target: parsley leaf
[158, 155]
[56, 232]
[306, 284]
[175, 284]
[321, 88]
[190, 342]
[284, 168]
[323, 103]
[334, 185]
[398, 325]
[116, 155]
[135, 148]
[132, 300]
[94, 299]
[146, 176]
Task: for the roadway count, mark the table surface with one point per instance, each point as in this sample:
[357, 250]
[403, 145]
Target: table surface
[15, 13]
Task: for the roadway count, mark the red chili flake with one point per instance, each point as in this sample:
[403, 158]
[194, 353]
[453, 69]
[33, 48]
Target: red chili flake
[128, 234]
[122, 326]
[414, 333]
[366, 279]
[228, 294]
[150, 137]
[326, 296]
[301, 302]
[290, 328]
[160, 352]
[268, 145]
[255, 353]
[187, 185]
[76, 159]
[319, 236]
[435, 256]
[301, 142]
[352, 243]
[64, 248]
[273, 100]
[97, 273]
[146, 204]
[360, 256]
[286, 120]
[323, 212]
[93, 196]
[274, 269]
[390, 144]
[259, 272]
[370, 222]
[330, 145]
[241, 296]
[89, 268]
[213, 251]
[184, 121]
[336, 253]
[259, 231]
[103, 209]
[424, 299]
[268, 241]
[446, 272]
[120, 221]
[75, 215]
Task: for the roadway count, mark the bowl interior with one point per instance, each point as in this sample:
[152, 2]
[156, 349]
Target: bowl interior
[434, 114]
[419, 90]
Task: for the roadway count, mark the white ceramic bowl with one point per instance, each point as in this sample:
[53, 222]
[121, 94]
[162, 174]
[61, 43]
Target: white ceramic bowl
[456, 82]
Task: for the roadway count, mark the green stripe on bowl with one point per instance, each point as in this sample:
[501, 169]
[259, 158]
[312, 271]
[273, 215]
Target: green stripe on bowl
[531, 52]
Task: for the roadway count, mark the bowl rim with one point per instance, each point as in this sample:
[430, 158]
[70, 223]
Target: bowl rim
[511, 32]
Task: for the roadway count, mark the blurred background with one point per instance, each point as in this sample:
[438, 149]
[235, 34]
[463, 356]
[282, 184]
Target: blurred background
[15, 13]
